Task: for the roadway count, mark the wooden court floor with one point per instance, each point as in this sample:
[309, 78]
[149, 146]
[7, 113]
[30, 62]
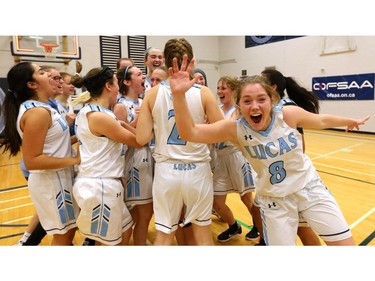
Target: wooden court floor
[345, 161]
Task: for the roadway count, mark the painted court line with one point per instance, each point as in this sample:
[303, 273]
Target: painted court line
[346, 170]
[14, 199]
[336, 151]
[362, 218]
[16, 207]
[347, 160]
[17, 220]
[13, 189]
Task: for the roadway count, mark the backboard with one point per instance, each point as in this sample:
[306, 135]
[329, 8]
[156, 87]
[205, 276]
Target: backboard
[53, 47]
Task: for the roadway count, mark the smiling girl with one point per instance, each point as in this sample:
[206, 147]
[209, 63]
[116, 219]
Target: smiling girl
[286, 182]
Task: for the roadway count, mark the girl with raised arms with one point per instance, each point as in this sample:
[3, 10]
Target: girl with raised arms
[287, 183]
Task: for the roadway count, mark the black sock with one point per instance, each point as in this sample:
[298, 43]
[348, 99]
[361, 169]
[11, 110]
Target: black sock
[254, 225]
[36, 236]
[233, 226]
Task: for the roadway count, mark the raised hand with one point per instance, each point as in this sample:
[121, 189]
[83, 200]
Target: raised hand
[179, 78]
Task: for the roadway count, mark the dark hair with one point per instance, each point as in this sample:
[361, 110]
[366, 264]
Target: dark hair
[18, 92]
[300, 95]
[124, 74]
[95, 80]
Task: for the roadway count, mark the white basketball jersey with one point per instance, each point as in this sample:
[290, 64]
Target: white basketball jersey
[147, 84]
[168, 144]
[100, 156]
[227, 147]
[62, 109]
[130, 106]
[57, 141]
[276, 155]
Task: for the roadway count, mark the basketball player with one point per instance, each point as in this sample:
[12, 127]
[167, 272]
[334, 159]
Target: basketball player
[183, 175]
[232, 172]
[46, 148]
[98, 188]
[296, 96]
[139, 164]
[287, 183]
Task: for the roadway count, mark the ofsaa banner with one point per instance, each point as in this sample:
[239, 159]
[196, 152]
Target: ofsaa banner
[344, 87]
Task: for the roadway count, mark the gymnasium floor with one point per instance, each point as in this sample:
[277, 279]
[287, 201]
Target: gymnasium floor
[345, 161]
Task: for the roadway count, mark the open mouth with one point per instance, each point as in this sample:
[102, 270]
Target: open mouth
[256, 118]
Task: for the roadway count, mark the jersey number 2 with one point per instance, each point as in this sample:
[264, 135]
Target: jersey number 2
[174, 137]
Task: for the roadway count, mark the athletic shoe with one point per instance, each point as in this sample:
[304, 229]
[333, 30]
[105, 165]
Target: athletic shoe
[253, 234]
[88, 242]
[229, 234]
[261, 242]
[19, 243]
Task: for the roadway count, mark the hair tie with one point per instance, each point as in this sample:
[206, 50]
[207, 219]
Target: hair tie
[85, 81]
[126, 72]
[148, 50]
[13, 93]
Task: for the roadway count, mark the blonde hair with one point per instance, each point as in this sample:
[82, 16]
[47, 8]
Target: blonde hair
[82, 98]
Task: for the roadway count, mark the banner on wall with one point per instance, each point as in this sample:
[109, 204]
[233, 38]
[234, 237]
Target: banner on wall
[257, 40]
[344, 87]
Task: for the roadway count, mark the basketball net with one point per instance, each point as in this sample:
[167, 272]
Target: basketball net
[49, 49]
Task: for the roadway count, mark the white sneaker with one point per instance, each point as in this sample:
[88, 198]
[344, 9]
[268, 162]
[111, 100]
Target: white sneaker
[19, 243]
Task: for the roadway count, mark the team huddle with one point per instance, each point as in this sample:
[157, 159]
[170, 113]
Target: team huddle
[162, 146]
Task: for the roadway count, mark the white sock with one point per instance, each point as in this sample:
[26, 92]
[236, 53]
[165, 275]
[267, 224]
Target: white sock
[25, 236]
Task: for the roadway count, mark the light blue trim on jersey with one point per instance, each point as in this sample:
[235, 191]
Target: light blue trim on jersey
[33, 103]
[61, 104]
[166, 83]
[247, 176]
[266, 132]
[123, 99]
[100, 217]
[286, 101]
[133, 188]
[64, 203]
[98, 108]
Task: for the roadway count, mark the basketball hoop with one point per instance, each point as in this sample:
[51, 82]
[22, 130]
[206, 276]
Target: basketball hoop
[49, 49]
